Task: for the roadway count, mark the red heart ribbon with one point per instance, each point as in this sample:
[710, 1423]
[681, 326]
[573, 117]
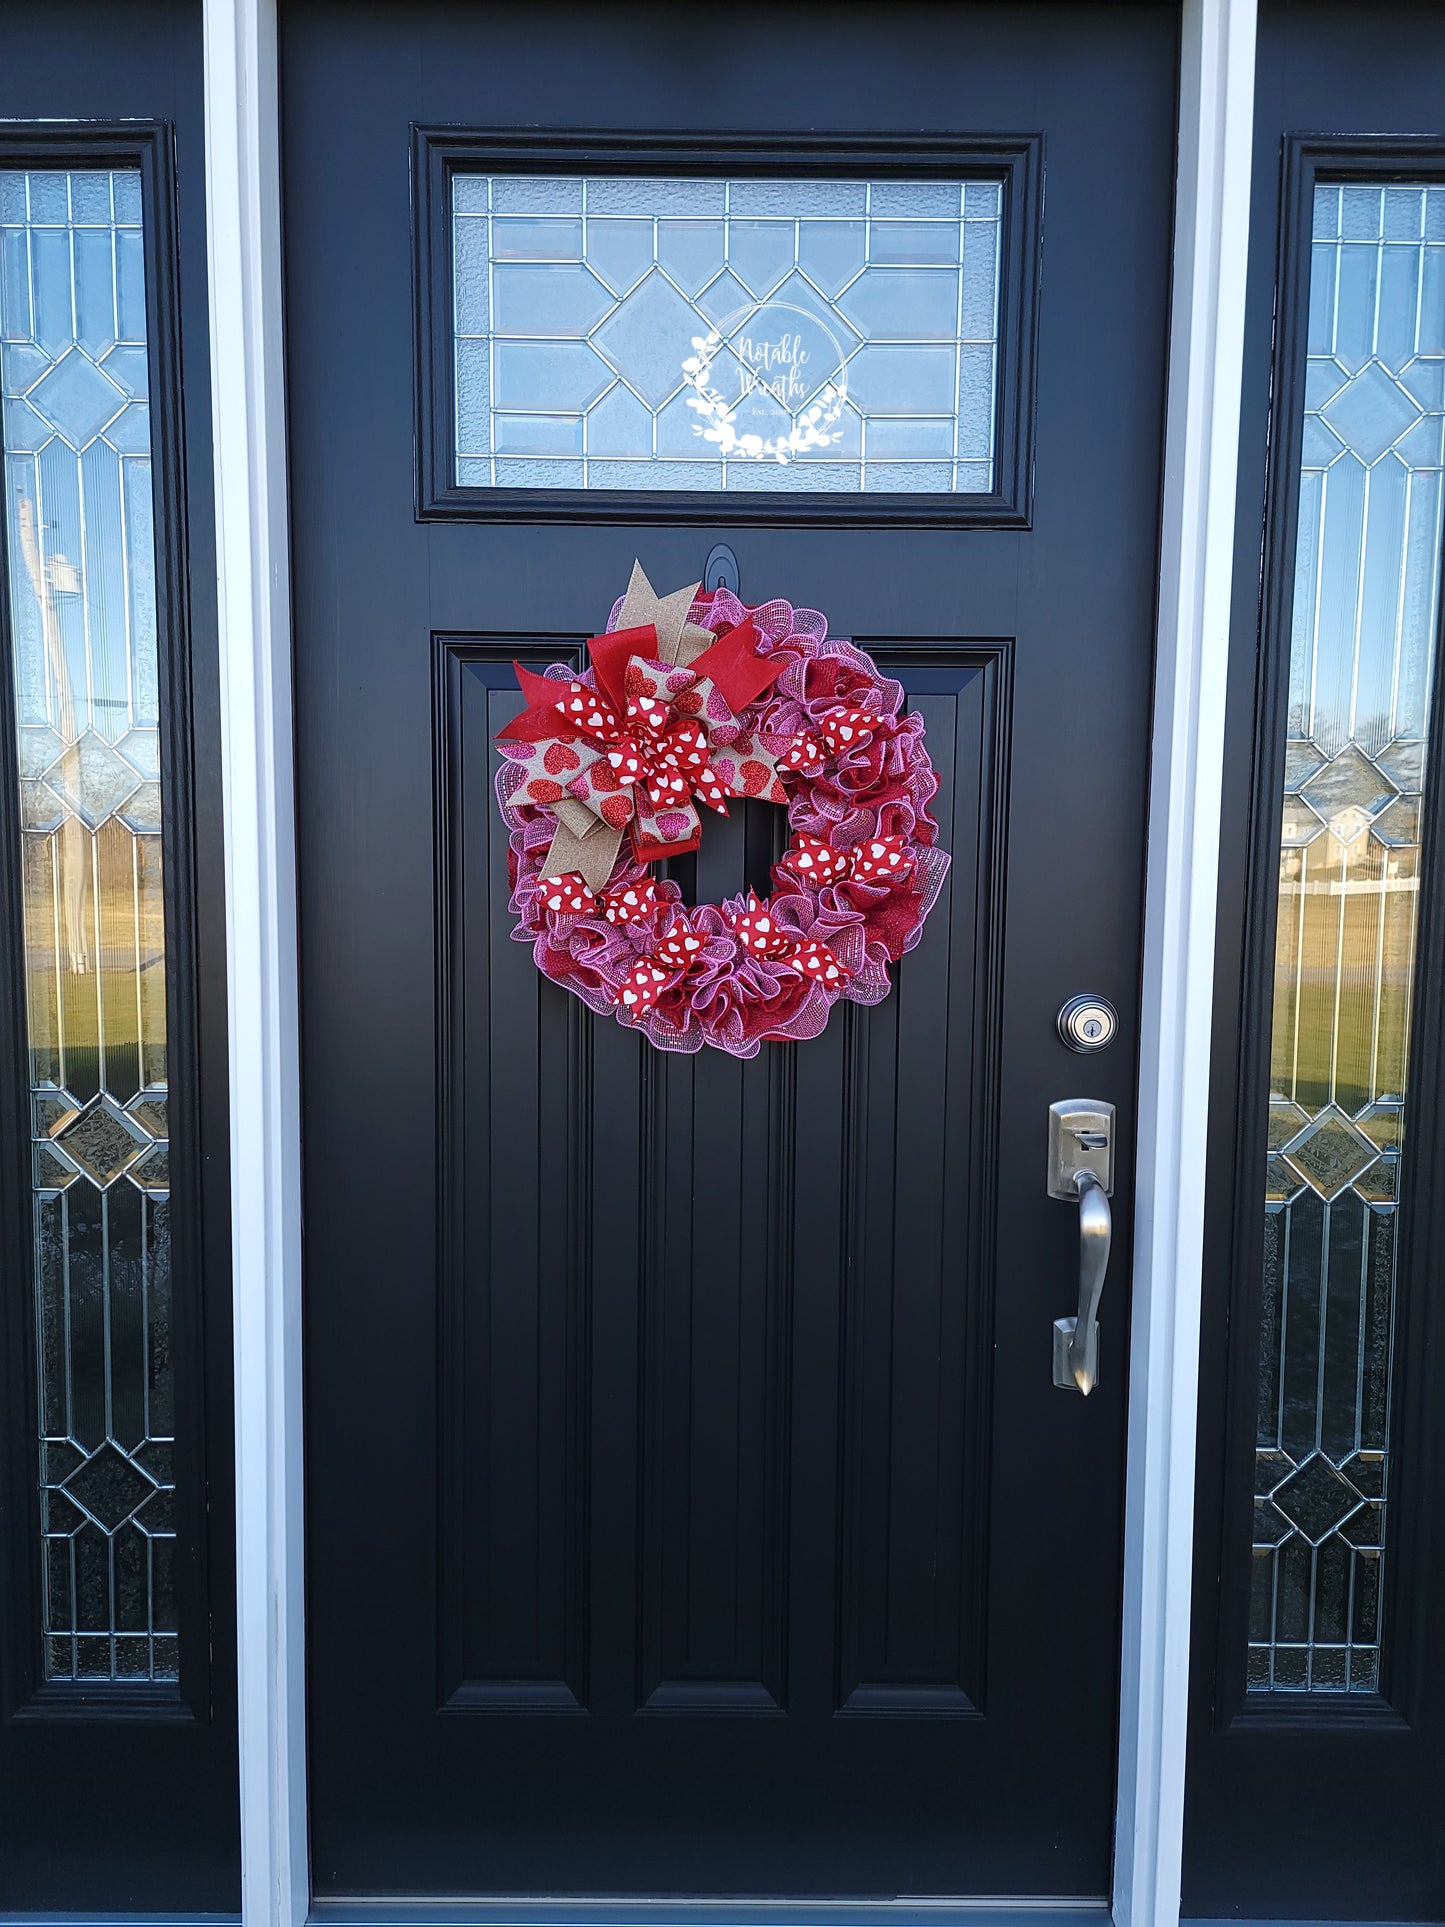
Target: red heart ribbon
[840, 729]
[638, 745]
[673, 956]
[570, 896]
[813, 862]
[758, 932]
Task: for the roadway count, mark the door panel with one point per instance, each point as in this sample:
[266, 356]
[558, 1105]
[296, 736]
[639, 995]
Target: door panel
[691, 1508]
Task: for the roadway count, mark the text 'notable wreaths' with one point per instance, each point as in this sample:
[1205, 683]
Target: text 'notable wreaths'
[690, 699]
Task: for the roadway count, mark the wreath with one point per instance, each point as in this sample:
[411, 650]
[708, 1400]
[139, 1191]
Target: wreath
[694, 698]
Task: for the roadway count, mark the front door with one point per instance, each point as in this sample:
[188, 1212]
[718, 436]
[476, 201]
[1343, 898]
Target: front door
[692, 1509]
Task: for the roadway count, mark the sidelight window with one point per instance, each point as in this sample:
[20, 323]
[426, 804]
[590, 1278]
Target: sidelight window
[1362, 656]
[81, 564]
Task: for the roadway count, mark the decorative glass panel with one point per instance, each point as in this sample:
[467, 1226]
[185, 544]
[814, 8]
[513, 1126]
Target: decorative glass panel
[672, 334]
[81, 571]
[1366, 594]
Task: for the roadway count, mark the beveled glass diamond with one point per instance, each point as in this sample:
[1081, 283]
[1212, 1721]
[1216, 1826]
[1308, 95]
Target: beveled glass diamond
[1316, 1499]
[724, 298]
[77, 398]
[1349, 793]
[1366, 1529]
[649, 337]
[1280, 1182]
[1380, 1184]
[1384, 1122]
[1330, 1153]
[1398, 827]
[90, 779]
[109, 1486]
[1270, 1526]
[1366, 1473]
[39, 747]
[1271, 1468]
[153, 1172]
[151, 1110]
[1403, 761]
[102, 1141]
[40, 808]
[1301, 760]
[1286, 1120]
[1371, 412]
[1298, 825]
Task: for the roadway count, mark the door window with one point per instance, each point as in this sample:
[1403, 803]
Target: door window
[644, 333]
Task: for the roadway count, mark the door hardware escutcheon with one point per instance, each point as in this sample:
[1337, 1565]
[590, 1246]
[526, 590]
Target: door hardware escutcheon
[1081, 1166]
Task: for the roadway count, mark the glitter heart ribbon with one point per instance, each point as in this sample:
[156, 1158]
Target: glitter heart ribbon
[633, 751]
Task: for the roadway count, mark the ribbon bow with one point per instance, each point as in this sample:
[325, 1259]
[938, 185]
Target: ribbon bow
[810, 860]
[635, 750]
[571, 896]
[842, 728]
[668, 963]
[672, 956]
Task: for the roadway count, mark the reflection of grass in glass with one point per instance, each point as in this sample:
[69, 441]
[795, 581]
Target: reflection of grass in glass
[95, 956]
[1343, 974]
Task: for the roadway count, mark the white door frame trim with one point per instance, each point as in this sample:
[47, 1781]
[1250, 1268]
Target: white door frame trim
[243, 221]
[1196, 558]
[1196, 550]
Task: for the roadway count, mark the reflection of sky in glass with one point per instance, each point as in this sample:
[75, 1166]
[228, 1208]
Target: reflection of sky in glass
[81, 556]
[578, 304]
[1366, 593]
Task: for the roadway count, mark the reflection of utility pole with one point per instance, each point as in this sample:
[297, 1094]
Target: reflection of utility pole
[74, 843]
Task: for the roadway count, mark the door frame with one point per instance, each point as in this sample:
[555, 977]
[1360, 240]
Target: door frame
[243, 198]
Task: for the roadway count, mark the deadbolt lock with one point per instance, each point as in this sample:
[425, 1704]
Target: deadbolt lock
[1087, 1022]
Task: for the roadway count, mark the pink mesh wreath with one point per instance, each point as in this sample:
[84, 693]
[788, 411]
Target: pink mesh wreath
[743, 973]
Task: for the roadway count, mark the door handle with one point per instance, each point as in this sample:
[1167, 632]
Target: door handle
[1081, 1167]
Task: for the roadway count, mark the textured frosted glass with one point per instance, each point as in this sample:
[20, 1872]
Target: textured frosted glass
[577, 306]
[1366, 595]
[81, 568]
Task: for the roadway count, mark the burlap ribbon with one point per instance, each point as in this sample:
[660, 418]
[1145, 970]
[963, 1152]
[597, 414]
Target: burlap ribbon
[583, 842]
[586, 843]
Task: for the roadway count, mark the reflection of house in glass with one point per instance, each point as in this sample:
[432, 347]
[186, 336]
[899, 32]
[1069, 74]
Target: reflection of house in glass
[83, 621]
[1366, 595]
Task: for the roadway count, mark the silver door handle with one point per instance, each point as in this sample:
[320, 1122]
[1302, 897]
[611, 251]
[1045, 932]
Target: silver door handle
[1076, 1340]
[1081, 1166]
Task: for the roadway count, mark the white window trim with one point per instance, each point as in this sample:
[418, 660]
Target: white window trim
[243, 221]
[1196, 563]
[1196, 557]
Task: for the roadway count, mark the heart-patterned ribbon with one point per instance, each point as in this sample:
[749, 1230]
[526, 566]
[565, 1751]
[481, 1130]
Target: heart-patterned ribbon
[672, 956]
[635, 750]
[840, 729]
[813, 862]
[571, 896]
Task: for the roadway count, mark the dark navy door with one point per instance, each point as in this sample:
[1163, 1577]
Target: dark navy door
[691, 1507]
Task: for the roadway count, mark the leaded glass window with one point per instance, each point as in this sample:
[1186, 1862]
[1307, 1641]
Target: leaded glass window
[81, 570]
[645, 333]
[1362, 659]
